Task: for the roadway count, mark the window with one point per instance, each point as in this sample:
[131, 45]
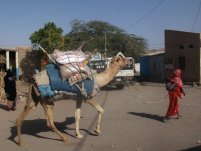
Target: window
[191, 46]
[181, 47]
[182, 63]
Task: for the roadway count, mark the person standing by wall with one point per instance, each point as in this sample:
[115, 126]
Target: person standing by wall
[176, 92]
[10, 89]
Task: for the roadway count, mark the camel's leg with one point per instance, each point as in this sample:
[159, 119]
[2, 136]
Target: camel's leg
[46, 116]
[20, 119]
[77, 118]
[28, 107]
[48, 108]
[100, 110]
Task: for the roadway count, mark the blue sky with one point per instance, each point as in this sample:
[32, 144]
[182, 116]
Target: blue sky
[145, 18]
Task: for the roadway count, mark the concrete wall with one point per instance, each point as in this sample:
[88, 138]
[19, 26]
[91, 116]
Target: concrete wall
[28, 60]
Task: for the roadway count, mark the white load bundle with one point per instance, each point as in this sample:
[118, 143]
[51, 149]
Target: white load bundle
[68, 56]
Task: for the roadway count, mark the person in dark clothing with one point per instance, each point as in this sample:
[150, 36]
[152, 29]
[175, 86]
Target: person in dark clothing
[10, 89]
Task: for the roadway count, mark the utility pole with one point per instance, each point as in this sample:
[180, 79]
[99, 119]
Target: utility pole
[105, 45]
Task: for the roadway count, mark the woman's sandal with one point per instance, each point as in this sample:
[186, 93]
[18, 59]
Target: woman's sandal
[165, 119]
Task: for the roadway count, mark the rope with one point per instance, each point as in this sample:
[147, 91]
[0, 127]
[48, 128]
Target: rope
[81, 89]
[150, 101]
[155, 102]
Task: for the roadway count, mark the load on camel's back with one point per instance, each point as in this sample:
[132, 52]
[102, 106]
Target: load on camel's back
[67, 73]
[46, 86]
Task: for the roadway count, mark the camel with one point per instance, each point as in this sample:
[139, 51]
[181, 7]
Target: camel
[100, 80]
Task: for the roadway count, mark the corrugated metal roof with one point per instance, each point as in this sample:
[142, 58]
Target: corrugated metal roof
[154, 53]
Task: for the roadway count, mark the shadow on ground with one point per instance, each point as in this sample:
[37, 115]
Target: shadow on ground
[34, 127]
[196, 148]
[4, 107]
[146, 115]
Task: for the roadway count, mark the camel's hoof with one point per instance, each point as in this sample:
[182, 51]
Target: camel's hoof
[79, 136]
[21, 144]
[97, 132]
[65, 140]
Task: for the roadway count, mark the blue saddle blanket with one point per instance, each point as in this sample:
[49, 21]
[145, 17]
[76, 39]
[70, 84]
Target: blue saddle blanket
[56, 83]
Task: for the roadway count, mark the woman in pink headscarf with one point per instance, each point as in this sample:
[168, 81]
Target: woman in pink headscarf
[173, 108]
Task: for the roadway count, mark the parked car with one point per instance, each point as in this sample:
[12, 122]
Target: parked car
[98, 65]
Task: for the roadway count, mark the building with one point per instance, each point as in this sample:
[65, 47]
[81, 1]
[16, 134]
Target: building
[152, 66]
[9, 60]
[182, 50]
[21, 60]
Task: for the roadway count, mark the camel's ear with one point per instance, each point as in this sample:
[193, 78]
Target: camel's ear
[114, 59]
[118, 59]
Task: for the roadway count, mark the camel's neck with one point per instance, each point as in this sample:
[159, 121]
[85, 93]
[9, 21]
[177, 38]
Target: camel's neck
[106, 76]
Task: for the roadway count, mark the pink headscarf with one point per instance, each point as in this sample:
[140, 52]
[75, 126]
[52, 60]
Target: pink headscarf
[177, 73]
[177, 77]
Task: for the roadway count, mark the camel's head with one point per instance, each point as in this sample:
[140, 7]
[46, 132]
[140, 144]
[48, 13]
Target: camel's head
[119, 62]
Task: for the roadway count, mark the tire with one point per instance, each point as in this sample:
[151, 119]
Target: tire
[120, 86]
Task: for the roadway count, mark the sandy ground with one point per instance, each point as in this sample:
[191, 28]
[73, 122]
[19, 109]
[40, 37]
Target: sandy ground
[132, 122]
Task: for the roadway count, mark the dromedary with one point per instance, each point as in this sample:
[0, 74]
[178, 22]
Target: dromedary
[100, 80]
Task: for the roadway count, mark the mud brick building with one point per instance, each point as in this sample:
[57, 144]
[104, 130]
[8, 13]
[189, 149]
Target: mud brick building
[183, 50]
[21, 60]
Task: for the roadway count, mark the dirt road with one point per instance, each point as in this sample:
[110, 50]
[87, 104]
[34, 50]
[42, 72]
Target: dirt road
[132, 122]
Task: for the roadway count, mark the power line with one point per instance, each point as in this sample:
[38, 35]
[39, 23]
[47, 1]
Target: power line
[196, 16]
[148, 13]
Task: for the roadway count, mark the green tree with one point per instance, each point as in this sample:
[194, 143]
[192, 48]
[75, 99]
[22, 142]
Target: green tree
[49, 37]
[103, 33]
[105, 37]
